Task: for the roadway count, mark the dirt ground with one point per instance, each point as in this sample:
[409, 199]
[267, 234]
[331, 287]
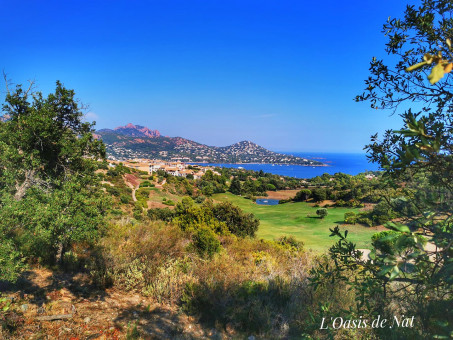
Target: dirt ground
[84, 312]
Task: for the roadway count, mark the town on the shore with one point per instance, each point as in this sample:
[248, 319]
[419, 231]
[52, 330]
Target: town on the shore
[174, 168]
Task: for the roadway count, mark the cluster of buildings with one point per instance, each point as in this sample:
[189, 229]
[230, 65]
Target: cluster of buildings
[173, 168]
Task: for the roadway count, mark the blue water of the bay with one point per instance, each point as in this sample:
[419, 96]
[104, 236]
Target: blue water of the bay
[348, 163]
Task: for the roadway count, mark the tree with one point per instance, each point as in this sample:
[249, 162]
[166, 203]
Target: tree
[235, 186]
[419, 155]
[319, 194]
[239, 223]
[302, 195]
[49, 194]
[322, 212]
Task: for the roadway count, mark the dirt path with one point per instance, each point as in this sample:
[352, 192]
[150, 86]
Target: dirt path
[161, 184]
[133, 191]
[133, 183]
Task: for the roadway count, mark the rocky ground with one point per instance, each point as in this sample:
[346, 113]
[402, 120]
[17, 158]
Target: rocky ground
[45, 305]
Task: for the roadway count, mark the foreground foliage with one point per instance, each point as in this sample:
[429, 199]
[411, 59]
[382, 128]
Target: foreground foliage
[49, 195]
[402, 274]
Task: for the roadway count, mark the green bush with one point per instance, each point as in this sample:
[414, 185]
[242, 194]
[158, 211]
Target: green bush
[113, 190]
[125, 199]
[322, 212]
[169, 202]
[11, 262]
[142, 194]
[386, 241]
[238, 222]
[164, 214]
[146, 184]
[350, 217]
[290, 242]
[206, 242]
[363, 219]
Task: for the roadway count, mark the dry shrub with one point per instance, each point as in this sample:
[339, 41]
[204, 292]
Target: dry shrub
[150, 258]
[253, 286]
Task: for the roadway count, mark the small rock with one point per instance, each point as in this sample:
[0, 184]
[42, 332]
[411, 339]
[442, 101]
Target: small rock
[23, 307]
[251, 337]
[87, 320]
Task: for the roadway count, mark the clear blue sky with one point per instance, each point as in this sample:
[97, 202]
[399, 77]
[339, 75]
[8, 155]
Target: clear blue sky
[280, 73]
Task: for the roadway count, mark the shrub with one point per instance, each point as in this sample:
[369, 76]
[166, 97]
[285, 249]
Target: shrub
[206, 242]
[169, 202]
[322, 212]
[11, 262]
[200, 199]
[237, 221]
[363, 219]
[164, 214]
[125, 199]
[386, 241]
[113, 190]
[290, 242]
[350, 217]
[146, 184]
[142, 194]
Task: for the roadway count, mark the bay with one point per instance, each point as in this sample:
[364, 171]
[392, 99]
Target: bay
[348, 163]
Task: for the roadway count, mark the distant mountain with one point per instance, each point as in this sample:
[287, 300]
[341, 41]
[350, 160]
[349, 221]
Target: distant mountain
[135, 141]
[134, 131]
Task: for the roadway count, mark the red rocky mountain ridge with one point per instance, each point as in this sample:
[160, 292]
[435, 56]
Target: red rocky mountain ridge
[137, 131]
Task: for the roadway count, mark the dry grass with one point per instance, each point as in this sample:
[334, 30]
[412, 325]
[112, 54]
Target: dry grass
[280, 194]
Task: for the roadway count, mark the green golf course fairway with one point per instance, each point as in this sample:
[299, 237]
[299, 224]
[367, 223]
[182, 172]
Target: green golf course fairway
[291, 219]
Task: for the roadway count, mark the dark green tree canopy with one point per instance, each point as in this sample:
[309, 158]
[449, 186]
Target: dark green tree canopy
[43, 141]
[49, 195]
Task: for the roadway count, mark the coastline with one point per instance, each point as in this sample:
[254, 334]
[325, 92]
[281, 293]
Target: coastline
[291, 164]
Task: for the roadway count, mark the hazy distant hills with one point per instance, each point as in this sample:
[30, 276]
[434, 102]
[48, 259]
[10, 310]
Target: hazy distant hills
[135, 141]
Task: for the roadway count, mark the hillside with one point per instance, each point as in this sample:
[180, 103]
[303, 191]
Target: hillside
[135, 141]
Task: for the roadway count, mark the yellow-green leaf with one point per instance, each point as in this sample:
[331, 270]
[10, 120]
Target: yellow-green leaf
[416, 66]
[436, 74]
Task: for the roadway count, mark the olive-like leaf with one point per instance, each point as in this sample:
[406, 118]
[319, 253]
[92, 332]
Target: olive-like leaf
[416, 66]
[436, 74]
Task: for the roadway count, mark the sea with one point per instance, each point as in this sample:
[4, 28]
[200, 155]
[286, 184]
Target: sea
[348, 163]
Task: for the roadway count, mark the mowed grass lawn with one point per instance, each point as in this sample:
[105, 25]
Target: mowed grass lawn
[292, 219]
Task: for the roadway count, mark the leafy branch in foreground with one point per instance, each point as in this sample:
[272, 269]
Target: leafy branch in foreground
[410, 270]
